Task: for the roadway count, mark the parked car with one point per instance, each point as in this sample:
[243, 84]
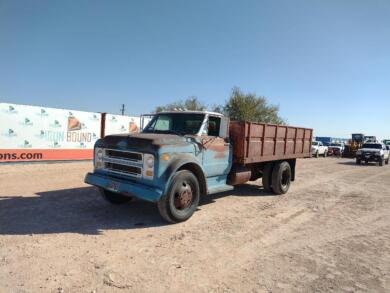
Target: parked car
[319, 149]
[336, 149]
[180, 156]
[373, 152]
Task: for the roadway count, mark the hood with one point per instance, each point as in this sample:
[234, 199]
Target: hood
[144, 141]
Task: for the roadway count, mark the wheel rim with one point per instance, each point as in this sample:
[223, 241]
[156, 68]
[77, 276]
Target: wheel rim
[183, 196]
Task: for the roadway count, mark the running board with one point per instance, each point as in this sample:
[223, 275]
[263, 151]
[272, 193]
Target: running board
[220, 188]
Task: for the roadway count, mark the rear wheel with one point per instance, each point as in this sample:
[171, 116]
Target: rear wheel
[267, 177]
[181, 199]
[387, 161]
[114, 198]
[281, 178]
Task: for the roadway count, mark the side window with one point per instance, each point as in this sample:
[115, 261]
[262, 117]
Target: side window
[214, 125]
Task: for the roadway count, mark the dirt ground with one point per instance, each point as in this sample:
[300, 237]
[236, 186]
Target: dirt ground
[330, 233]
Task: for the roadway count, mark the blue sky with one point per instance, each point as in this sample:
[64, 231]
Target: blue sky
[326, 63]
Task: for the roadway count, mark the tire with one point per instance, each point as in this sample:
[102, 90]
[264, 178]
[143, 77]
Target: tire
[387, 161]
[358, 162]
[325, 154]
[267, 177]
[182, 198]
[317, 154]
[381, 162]
[281, 178]
[114, 198]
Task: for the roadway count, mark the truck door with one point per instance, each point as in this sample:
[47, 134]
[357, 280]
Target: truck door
[217, 154]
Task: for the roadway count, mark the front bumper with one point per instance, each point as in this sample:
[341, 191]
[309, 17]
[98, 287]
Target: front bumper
[124, 187]
[369, 157]
[336, 152]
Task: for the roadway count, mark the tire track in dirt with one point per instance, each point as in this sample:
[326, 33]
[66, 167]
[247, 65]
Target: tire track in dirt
[273, 241]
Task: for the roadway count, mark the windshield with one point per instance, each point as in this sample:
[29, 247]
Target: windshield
[314, 143]
[176, 123]
[372, 146]
[336, 144]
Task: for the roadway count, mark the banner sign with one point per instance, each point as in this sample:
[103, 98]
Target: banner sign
[117, 124]
[30, 133]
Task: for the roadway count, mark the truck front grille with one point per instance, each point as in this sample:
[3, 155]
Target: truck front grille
[123, 162]
[131, 156]
[130, 170]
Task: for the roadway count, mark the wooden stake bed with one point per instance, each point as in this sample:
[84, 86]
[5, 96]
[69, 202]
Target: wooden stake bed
[260, 142]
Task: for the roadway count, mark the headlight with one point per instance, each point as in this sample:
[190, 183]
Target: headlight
[150, 162]
[148, 171]
[99, 158]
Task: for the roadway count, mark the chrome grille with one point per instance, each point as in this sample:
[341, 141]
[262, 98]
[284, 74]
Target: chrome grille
[117, 168]
[125, 155]
[123, 162]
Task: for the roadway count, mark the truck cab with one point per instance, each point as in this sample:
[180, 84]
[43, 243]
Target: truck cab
[184, 153]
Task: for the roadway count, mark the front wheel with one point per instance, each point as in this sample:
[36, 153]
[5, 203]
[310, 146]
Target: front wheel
[114, 198]
[281, 178]
[181, 199]
[325, 154]
[381, 162]
[387, 161]
[358, 161]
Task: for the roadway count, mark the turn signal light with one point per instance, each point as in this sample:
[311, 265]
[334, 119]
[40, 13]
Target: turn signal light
[165, 157]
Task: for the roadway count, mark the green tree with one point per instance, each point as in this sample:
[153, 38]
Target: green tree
[239, 107]
[191, 104]
[250, 107]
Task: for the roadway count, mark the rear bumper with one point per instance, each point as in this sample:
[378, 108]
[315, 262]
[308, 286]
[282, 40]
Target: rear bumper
[124, 187]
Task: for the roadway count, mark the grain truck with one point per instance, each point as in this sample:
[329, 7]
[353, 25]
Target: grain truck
[183, 155]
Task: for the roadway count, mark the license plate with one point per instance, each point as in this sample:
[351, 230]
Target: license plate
[113, 186]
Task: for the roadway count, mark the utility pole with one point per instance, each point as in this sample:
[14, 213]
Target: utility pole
[123, 109]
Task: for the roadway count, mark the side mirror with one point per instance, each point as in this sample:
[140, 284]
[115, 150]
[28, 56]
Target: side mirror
[224, 127]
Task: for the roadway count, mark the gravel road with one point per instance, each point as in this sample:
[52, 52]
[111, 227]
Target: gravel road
[330, 233]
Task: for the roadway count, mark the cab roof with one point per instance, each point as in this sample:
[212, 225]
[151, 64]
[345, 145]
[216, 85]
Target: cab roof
[189, 112]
